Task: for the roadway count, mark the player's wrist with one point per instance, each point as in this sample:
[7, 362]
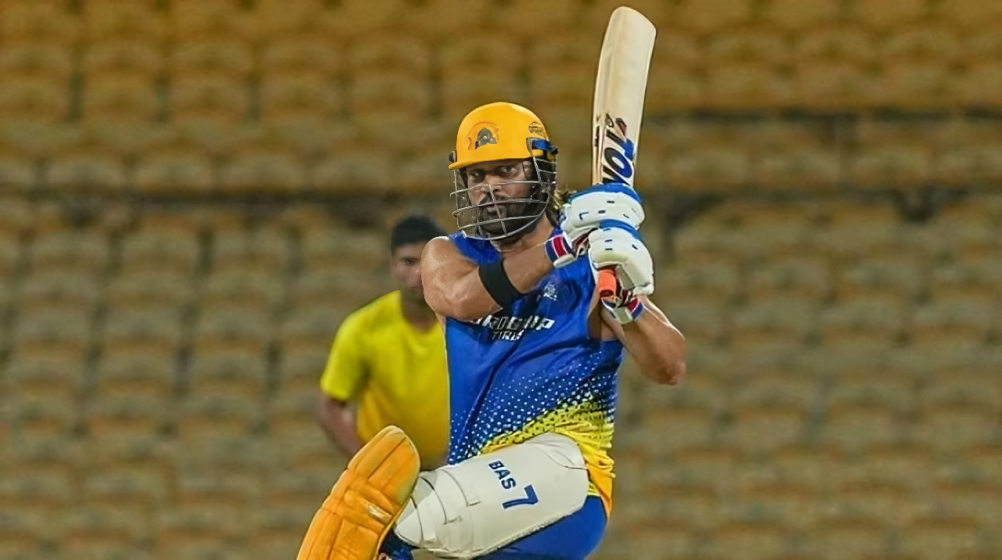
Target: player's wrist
[628, 310]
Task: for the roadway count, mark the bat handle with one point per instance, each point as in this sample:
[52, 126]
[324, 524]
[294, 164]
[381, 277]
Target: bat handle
[608, 286]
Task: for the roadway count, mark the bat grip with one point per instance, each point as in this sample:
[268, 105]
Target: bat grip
[608, 286]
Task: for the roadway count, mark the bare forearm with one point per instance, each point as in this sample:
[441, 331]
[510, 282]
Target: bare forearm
[338, 423]
[525, 270]
[656, 345]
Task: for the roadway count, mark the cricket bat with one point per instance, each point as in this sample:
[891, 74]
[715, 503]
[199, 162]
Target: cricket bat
[620, 86]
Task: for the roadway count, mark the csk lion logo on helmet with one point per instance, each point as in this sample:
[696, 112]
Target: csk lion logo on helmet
[484, 137]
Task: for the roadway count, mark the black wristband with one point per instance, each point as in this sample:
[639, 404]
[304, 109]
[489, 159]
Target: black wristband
[498, 284]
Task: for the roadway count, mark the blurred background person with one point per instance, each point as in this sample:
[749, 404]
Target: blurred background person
[387, 364]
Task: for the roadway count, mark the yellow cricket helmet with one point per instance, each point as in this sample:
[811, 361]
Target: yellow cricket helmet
[494, 132]
[499, 131]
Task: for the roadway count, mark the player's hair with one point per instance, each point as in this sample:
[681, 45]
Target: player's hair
[414, 229]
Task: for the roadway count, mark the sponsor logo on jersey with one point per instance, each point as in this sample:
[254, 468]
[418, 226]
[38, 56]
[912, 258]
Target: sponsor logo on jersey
[514, 328]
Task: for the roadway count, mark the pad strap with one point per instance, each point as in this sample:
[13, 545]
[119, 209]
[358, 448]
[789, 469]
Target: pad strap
[498, 285]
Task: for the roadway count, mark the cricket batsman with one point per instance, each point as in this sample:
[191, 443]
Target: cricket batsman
[533, 355]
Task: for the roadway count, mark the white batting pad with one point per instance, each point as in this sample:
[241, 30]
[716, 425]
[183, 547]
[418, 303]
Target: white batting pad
[484, 503]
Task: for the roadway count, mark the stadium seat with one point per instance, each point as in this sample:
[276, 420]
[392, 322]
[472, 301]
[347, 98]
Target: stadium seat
[942, 537]
[292, 418]
[358, 170]
[703, 320]
[175, 168]
[194, 20]
[17, 169]
[127, 419]
[856, 230]
[802, 276]
[128, 372]
[857, 426]
[208, 99]
[879, 386]
[42, 422]
[46, 379]
[746, 85]
[755, 540]
[263, 251]
[796, 160]
[267, 168]
[950, 427]
[796, 15]
[713, 163]
[761, 389]
[54, 330]
[302, 54]
[893, 502]
[216, 419]
[685, 427]
[63, 251]
[764, 428]
[848, 538]
[969, 13]
[163, 243]
[309, 327]
[960, 319]
[967, 152]
[324, 249]
[87, 168]
[794, 506]
[45, 23]
[149, 289]
[711, 16]
[155, 330]
[982, 461]
[708, 277]
[779, 320]
[890, 15]
[902, 274]
[250, 288]
[961, 387]
[977, 85]
[299, 370]
[299, 97]
[229, 370]
[53, 289]
[700, 503]
[974, 500]
[222, 57]
[464, 84]
[354, 18]
[561, 72]
[909, 464]
[107, 20]
[52, 63]
[279, 17]
[33, 100]
[112, 98]
[713, 465]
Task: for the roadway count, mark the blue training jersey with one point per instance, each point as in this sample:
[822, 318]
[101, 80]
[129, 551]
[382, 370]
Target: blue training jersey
[534, 368]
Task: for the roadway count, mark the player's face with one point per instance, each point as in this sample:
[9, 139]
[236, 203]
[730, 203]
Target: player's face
[492, 182]
[406, 270]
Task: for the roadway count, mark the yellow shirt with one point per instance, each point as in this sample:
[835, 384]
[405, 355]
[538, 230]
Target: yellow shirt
[396, 373]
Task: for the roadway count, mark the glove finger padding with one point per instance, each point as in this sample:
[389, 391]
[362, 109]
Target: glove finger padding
[586, 210]
[618, 245]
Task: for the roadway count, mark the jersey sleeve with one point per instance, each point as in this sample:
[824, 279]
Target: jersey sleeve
[345, 372]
